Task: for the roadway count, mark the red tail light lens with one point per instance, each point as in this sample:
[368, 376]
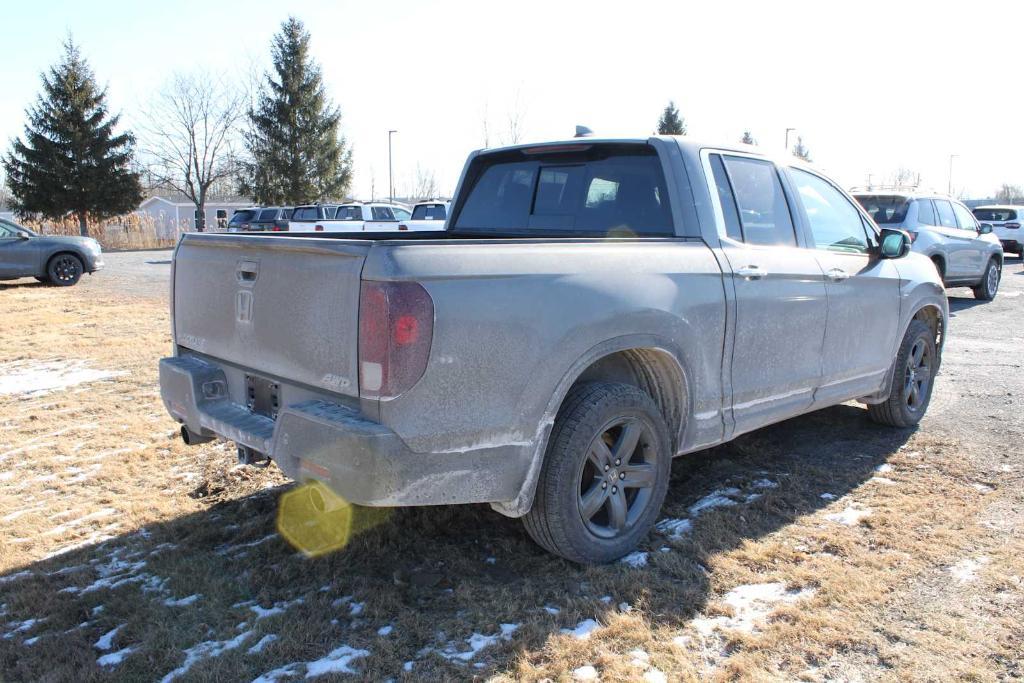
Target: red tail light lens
[913, 237]
[403, 226]
[396, 327]
[318, 228]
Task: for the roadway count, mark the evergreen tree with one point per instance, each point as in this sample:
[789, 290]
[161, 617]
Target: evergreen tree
[671, 123]
[801, 152]
[297, 153]
[71, 160]
[748, 138]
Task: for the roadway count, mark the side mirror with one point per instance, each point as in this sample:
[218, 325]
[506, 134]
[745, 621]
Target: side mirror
[24, 236]
[895, 244]
[984, 229]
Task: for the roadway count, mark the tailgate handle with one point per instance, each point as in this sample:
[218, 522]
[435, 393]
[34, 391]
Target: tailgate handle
[247, 272]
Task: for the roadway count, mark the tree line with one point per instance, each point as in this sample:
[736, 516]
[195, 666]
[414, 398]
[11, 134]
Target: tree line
[285, 146]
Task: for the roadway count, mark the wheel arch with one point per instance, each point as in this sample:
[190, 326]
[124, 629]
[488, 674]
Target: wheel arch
[647, 362]
[61, 251]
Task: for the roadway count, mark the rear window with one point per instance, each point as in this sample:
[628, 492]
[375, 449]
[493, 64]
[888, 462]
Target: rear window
[304, 213]
[243, 216]
[593, 191]
[429, 212]
[267, 215]
[995, 214]
[349, 213]
[885, 208]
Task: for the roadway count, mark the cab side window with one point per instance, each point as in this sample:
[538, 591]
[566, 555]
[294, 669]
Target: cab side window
[760, 202]
[835, 224]
[965, 218]
[381, 213]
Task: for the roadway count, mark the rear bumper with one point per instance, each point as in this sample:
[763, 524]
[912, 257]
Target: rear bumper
[1010, 245]
[363, 461]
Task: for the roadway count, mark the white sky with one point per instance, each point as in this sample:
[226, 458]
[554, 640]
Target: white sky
[870, 86]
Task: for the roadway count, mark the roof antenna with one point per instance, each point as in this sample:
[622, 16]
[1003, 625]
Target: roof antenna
[583, 132]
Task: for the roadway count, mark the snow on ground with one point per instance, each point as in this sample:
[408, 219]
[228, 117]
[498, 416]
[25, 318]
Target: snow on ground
[277, 608]
[115, 658]
[552, 610]
[264, 641]
[14, 577]
[336, 661]
[827, 496]
[478, 642]
[750, 603]
[106, 641]
[850, 516]
[582, 630]
[208, 648]
[182, 602]
[33, 378]
[635, 559]
[674, 528]
[966, 570]
[21, 627]
[385, 630]
[715, 499]
[883, 468]
[585, 673]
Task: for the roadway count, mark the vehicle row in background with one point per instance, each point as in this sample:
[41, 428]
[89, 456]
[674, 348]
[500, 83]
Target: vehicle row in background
[964, 251]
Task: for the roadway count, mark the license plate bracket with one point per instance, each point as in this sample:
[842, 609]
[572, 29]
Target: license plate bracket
[262, 396]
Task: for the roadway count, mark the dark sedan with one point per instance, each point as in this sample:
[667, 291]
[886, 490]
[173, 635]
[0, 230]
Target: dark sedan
[53, 259]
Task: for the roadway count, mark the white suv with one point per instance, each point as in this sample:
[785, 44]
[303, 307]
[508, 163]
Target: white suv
[1005, 221]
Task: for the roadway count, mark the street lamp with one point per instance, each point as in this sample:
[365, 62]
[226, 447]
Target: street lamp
[391, 182]
[949, 189]
[788, 131]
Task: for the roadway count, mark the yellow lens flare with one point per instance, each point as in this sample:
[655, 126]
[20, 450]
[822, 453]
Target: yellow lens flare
[317, 521]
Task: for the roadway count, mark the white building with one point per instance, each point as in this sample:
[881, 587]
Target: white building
[174, 214]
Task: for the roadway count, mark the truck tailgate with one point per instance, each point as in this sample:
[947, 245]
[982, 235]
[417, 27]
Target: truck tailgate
[284, 308]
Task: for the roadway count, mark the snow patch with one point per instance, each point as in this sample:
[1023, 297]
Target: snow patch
[106, 641]
[277, 608]
[654, 676]
[477, 642]
[115, 658]
[883, 468]
[635, 559]
[582, 630]
[966, 571]
[264, 641]
[385, 630]
[750, 604]
[14, 577]
[827, 496]
[850, 516]
[208, 648]
[336, 661]
[715, 499]
[584, 673]
[182, 602]
[32, 378]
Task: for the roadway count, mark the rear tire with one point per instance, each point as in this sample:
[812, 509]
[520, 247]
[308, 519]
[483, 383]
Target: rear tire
[604, 476]
[910, 387]
[988, 287]
[65, 270]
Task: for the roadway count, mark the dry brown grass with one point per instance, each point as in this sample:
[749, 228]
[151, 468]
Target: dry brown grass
[885, 604]
[130, 231]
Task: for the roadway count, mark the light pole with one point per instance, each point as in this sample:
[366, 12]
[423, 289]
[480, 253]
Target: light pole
[391, 182]
[949, 189]
[788, 131]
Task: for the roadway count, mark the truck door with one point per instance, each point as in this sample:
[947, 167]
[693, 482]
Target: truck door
[863, 291]
[781, 303]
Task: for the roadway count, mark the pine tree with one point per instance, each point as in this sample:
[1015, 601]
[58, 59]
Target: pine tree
[297, 153]
[72, 161]
[671, 123]
[748, 138]
[801, 152]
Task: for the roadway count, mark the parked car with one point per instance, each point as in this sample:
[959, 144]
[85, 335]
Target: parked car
[52, 259]
[241, 220]
[271, 219]
[1005, 221]
[965, 253]
[356, 217]
[595, 308]
[427, 216]
[305, 218]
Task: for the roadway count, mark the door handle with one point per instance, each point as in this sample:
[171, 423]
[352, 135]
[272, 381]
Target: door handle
[837, 275]
[751, 272]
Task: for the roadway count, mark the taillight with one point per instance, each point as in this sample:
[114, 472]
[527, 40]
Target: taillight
[403, 226]
[396, 327]
[318, 228]
[1011, 226]
[913, 237]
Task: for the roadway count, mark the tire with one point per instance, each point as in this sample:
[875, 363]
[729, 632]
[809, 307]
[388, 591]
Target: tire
[44, 279]
[65, 270]
[989, 285]
[580, 511]
[910, 389]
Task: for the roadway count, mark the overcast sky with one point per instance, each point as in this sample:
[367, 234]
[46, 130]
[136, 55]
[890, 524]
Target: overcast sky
[870, 87]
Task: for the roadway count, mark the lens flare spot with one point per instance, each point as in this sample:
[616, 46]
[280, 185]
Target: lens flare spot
[317, 521]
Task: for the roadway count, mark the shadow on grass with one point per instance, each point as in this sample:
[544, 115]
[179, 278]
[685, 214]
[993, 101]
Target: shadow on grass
[435, 575]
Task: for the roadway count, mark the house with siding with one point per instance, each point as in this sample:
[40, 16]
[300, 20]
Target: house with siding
[171, 215]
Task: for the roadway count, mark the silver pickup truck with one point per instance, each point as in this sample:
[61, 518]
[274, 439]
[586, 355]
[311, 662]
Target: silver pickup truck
[594, 308]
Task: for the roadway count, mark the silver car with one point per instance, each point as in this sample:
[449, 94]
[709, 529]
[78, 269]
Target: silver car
[52, 259]
[965, 252]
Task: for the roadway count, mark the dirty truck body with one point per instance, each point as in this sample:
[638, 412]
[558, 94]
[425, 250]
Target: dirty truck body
[441, 369]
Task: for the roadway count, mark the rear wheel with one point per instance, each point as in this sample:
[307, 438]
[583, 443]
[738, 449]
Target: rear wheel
[605, 474]
[912, 379]
[65, 270]
[989, 285]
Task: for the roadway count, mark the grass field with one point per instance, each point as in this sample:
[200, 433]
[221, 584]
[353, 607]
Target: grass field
[823, 548]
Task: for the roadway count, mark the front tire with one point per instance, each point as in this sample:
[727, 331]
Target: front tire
[989, 285]
[65, 270]
[605, 474]
[910, 387]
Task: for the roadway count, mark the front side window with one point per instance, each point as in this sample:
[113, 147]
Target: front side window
[947, 218]
[267, 215]
[835, 223]
[726, 199]
[597, 191]
[400, 213]
[304, 213]
[965, 218]
[349, 213]
[763, 210]
[6, 232]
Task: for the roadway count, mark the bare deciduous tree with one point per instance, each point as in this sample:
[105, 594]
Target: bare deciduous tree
[515, 119]
[424, 184]
[904, 177]
[5, 192]
[189, 134]
[1010, 194]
